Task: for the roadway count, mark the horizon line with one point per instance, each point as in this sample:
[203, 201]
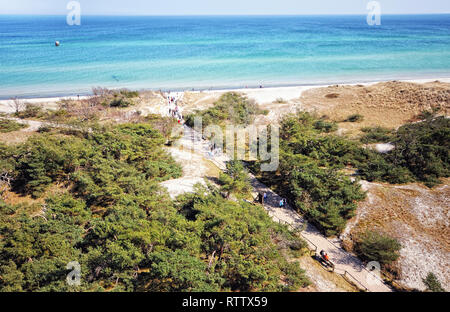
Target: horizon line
[197, 15]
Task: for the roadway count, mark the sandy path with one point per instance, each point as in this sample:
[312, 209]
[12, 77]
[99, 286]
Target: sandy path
[191, 150]
[194, 171]
[345, 263]
[33, 125]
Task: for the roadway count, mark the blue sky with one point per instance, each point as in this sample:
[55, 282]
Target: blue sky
[222, 7]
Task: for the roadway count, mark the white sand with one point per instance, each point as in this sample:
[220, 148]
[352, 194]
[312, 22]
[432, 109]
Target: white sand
[7, 107]
[271, 94]
[260, 95]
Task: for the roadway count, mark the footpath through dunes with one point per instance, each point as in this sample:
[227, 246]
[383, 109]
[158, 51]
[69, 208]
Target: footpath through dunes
[346, 264]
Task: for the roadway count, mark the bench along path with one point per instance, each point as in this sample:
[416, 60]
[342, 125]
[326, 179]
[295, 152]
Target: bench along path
[345, 263]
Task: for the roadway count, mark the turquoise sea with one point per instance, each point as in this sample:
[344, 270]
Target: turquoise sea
[215, 51]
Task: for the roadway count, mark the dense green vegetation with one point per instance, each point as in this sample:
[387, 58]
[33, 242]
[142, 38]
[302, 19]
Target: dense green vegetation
[312, 160]
[325, 126]
[97, 200]
[95, 162]
[99, 203]
[235, 180]
[231, 107]
[376, 135]
[421, 153]
[10, 125]
[374, 246]
[30, 111]
[309, 175]
[200, 243]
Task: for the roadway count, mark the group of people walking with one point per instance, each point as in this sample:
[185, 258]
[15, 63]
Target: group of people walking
[262, 199]
[174, 110]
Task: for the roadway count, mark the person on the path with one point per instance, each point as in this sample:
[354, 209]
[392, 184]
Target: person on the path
[258, 199]
[265, 197]
[324, 255]
[281, 203]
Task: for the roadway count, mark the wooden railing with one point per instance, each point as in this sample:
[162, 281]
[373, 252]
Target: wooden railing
[313, 250]
[311, 246]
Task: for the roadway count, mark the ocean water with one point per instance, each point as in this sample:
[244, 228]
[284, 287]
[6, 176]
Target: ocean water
[177, 53]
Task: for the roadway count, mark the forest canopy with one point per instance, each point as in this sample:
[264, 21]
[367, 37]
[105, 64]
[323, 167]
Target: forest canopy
[319, 170]
[94, 198]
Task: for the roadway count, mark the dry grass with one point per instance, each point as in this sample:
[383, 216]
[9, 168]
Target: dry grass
[415, 215]
[323, 280]
[386, 104]
[15, 137]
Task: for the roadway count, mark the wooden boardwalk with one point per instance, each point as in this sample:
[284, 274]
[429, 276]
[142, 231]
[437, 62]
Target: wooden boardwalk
[346, 264]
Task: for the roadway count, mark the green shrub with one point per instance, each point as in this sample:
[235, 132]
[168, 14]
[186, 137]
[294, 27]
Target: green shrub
[432, 283]
[235, 180]
[231, 107]
[376, 135]
[44, 129]
[429, 114]
[30, 111]
[355, 118]
[129, 94]
[421, 153]
[120, 102]
[7, 125]
[113, 98]
[376, 167]
[373, 246]
[308, 173]
[423, 148]
[325, 126]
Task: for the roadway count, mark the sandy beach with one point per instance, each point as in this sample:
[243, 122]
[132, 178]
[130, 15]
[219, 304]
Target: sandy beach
[260, 95]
